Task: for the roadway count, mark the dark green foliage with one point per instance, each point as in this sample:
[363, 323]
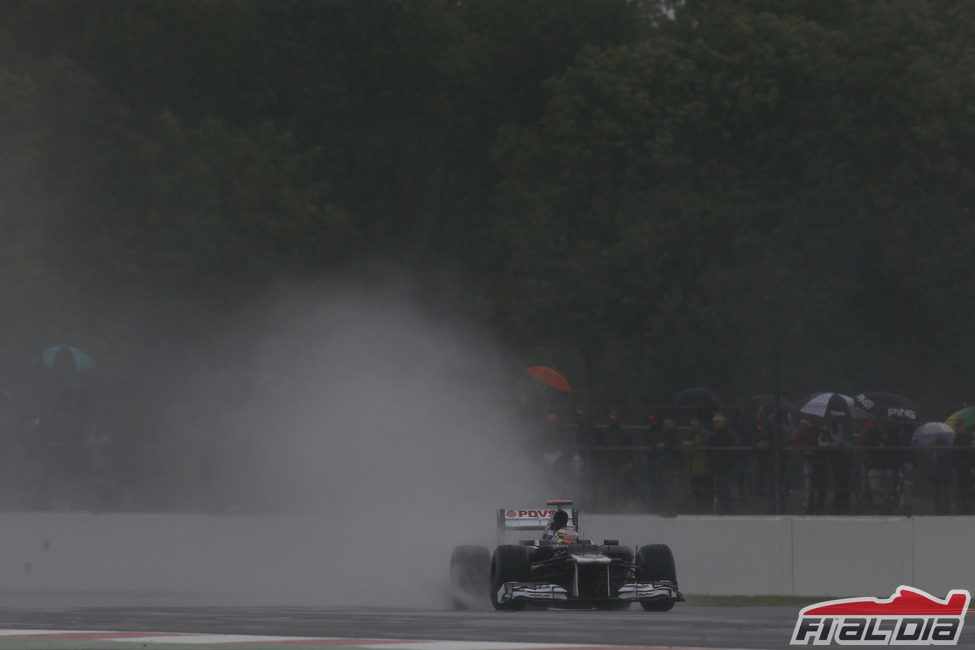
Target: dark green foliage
[670, 192]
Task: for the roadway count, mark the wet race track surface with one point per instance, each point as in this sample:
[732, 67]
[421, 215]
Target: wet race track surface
[684, 627]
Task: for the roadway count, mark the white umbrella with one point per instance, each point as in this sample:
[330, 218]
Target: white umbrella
[816, 405]
[927, 433]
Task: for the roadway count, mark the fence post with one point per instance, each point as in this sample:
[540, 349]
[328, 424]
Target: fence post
[777, 434]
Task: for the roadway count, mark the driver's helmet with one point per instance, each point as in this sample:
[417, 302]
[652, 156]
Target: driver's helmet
[566, 536]
[559, 520]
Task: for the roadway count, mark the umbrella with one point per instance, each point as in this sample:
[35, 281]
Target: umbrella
[768, 401]
[549, 377]
[58, 354]
[927, 433]
[887, 406]
[698, 398]
[967, 415]
[837, 416]
[818, 404]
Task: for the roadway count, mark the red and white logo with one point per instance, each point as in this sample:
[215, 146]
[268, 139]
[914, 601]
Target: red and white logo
[909, 617]
[529, 514]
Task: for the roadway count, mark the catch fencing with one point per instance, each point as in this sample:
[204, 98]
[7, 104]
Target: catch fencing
[621, 469]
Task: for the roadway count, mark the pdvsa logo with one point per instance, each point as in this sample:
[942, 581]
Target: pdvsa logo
[909, 617]
[531, 514]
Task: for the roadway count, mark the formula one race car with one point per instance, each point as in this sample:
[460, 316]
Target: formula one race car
[562, 569]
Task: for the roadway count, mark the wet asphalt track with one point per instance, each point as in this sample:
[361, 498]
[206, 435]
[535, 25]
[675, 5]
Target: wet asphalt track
[685, 626]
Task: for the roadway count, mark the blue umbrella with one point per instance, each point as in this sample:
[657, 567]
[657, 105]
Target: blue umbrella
[79, 359]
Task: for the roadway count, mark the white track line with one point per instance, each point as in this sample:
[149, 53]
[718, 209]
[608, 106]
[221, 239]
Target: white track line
[244, 640]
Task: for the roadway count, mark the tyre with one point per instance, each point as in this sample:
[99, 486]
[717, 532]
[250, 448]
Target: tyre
[655, 562]
[470, 567]
[618, 553]
[509, 564]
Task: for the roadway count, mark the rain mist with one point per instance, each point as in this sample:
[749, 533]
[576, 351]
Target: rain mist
[375, 420]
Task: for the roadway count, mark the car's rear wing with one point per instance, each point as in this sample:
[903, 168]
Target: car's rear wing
[534, 518]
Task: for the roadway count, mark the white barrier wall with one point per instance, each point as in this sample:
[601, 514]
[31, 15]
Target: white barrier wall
[806, 556]
[165, 558]
[304, 560]
[714, 555]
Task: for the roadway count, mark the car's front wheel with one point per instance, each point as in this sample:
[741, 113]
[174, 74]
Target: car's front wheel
[655, 562]
[509, 564]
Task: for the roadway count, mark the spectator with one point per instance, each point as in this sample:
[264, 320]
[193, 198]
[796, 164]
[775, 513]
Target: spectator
[761, 430]
[964, 457]
[834, 438]
[583, 442]
[723, 458]
[747, 461]
[617, 466]
[941, 467]
[814, 469]
[629, 465]
[699, 468]
[564, 466]
[101, 468]
[866, 495]
[774, 467]
[904, 459]
[654, 487]
[665, 467]
[39, 452]
[880, 461]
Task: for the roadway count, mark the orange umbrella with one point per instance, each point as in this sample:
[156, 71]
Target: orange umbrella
[549, 377]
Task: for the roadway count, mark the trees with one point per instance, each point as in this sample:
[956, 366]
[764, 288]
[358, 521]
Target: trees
[670, 192]
[760, 171]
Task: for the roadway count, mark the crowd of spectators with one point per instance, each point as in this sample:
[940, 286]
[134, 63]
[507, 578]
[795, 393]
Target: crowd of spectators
[698, 461]
[69, 442]
[65, 452]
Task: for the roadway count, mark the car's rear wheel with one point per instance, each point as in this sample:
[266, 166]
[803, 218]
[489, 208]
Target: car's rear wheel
[619, 553]
[509, 564]
[470, 567]
[655, 562]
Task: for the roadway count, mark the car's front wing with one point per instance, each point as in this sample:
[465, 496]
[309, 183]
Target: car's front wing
[544, 592]
[650, 591]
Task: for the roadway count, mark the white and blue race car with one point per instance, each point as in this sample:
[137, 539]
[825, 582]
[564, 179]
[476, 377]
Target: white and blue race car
[562, 568]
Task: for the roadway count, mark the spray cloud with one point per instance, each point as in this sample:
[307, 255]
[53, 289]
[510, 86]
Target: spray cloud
[384, 424]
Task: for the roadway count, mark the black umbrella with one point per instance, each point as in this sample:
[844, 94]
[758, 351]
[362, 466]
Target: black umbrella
[788, 411]
[768, 401]
[887, 406]
[698, 398]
